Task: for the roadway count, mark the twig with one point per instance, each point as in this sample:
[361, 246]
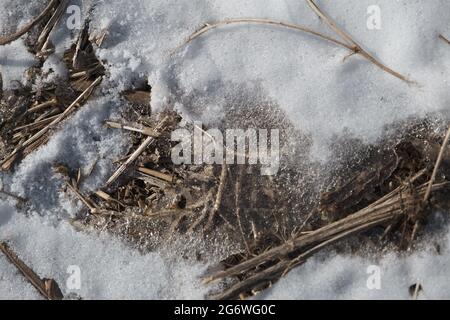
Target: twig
[153, 180]
[413, 234]
[63, 115]
[44, 105]
[355, 47]
[7, 39]
[105, 196]
[91, 167]
[417, 289]
[81, 74]
[82, 39]
[444, 39]
[169, 212]
[437, 165]
[12, 195]
[238, 206]
[92, 208]
[34, 145]
[147, 142]
[98, 38]
[48, 288]
[144, 130]
[42, 42]
[36, 124]
[330, 22]
[386, 232]
[219, 196]
[157, 174]
[78, 178]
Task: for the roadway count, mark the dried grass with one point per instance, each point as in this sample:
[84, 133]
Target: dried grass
[408, 203]
[348, 42]
[7, 39]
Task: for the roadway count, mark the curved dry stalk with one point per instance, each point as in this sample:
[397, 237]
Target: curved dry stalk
[7, 39]
[210, 26]
[354, 46]
[351, 45]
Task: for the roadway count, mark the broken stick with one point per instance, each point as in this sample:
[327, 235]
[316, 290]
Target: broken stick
[43, 40]
[48, 288]
[147, 142]
[7, 39]
[144, 130]
[444, 39]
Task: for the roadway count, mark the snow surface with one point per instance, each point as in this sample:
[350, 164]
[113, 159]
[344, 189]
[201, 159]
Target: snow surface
[304, 75]
[345, 277]
[227, 68]
[14, 58]
[109, 269]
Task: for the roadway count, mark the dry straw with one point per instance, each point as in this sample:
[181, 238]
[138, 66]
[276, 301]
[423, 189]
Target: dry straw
[348, 42]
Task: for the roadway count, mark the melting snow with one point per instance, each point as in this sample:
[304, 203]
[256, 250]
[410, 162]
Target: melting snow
[305, 76]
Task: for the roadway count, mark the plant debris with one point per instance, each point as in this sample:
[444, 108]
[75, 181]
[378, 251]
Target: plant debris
[398, 212]
[348, 42]
[7, 39]
[48, 288]
[28, 116]
[148, 199]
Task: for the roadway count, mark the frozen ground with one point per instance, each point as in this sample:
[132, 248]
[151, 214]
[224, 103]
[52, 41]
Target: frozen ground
[227, 68]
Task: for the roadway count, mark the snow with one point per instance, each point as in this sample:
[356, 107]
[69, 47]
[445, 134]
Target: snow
[82, 142]
[228, 68]
[289, 67]
[109, 269]
[14, 60]
[344, 277]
